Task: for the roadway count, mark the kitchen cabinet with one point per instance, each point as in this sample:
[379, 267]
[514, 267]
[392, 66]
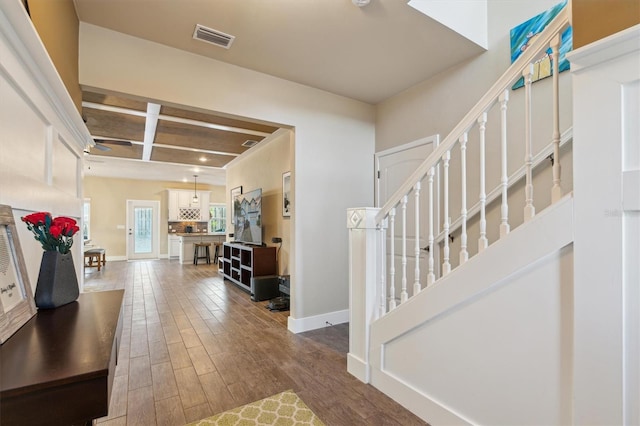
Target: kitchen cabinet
[182, 207]
[175, 246]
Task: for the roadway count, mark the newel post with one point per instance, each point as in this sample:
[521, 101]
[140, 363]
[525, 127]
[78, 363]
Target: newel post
[364, 266]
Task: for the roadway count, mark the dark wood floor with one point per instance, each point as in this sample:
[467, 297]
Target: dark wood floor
[194, 345]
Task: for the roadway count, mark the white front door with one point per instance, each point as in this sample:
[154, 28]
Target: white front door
[393, 167]
[143, 229]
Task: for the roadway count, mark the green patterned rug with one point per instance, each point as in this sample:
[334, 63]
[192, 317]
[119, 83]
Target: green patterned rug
[283, 409]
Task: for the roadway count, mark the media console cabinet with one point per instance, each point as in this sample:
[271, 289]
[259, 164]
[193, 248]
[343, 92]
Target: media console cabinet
[59, 367]
[240, 263]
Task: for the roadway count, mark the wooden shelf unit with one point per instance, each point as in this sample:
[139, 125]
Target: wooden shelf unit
[241, 262]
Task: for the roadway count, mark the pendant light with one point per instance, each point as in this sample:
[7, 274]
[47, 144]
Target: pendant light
[195, 194]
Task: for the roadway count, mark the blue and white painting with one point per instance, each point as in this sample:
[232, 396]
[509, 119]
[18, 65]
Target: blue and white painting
[524, 34]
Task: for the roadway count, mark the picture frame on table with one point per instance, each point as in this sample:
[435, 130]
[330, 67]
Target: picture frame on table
[234, 192]
[17, 305]
[286, 194]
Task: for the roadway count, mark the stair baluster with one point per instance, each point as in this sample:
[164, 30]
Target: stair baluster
[416, 282]
[464, 255]
[446, 266]
[392, 258]
[529, 209]
[403, 293]
[556, 190]
[382, 241]
[431, 277]
[504, 178]
[482, 241]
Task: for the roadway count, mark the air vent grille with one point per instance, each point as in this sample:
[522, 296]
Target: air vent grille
[209, 35]
[250, 143]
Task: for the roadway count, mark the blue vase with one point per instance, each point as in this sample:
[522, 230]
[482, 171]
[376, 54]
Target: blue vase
[57, 280]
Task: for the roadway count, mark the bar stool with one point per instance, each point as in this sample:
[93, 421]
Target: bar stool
[216, 251]
[201, 251]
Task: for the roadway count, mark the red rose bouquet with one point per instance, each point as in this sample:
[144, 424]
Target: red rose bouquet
[55, 234]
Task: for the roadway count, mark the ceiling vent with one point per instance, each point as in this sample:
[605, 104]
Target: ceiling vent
[250, 143]
[209, 35]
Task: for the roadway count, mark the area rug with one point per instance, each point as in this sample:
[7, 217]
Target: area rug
[283, 409]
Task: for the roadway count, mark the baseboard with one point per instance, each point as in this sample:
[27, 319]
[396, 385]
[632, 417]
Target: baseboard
[358, 368]
[116, 258]
[300, 325]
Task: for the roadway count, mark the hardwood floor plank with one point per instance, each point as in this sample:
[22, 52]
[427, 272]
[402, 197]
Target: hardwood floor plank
[191, 392]
[200, 360]
[218, 395]
[179, 355]
[198, 412]
[141, 408]
[169, 412]
[139, 372]
[190, 337]
[120, 421]
[164, 381]
[158, 352]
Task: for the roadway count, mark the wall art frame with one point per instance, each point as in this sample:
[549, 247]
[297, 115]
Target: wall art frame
[521, 36]
[234, 193]
[286, 194]
[17, 305]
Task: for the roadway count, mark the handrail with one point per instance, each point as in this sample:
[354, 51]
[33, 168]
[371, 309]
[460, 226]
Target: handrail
[540, 44]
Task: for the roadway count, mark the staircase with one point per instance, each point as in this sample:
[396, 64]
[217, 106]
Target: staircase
[481, 327]
[525, 307]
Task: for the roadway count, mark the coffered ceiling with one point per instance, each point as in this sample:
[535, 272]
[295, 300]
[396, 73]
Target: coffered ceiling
[135, 133]
[368, 53]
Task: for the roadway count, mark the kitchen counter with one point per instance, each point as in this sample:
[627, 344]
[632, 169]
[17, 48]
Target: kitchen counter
[187, 240]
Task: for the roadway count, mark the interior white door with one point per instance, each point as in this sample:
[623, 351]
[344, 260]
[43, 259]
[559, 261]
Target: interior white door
[393, 167]
[143, 229]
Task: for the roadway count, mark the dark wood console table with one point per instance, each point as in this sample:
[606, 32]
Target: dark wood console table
[59, 367]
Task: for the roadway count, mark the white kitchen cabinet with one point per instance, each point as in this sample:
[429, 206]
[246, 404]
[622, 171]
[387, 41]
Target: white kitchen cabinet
[182, 207]
[175, 246]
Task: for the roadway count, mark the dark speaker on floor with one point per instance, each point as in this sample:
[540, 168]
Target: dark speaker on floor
[265, 287]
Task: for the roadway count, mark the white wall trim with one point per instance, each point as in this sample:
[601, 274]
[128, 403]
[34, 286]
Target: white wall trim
[300, 325]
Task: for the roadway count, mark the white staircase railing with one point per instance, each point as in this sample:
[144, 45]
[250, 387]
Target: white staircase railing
[457, 143]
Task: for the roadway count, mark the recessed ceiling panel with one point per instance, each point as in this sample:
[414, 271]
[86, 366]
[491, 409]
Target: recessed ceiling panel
[114, 125]
[196, 159]
[116, 101]
[184, 135]
[216, 119]
[133, 152]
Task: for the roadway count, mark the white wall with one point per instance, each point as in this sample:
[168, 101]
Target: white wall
[41, 136]
[333, 146]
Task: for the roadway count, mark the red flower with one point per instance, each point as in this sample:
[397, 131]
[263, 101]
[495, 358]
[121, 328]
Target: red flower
[36, 218]
[55, 231]
[67, 225]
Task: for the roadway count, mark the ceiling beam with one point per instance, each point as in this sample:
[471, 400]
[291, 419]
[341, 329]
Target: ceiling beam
[153, 110]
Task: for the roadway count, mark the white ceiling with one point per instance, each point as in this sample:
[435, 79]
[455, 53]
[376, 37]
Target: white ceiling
[369, 53]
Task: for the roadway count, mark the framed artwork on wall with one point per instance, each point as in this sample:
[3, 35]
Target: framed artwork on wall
[17, 305]
[286, 194]
[524, 35]
[234, 192]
